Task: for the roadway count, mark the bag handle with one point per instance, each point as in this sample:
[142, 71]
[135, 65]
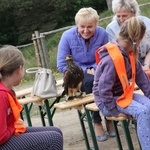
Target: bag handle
[32, 70]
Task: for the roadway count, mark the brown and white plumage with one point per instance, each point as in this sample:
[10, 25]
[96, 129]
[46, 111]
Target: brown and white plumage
[72, 79]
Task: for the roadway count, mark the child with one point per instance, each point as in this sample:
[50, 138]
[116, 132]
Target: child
[13, 134]
[118, 66]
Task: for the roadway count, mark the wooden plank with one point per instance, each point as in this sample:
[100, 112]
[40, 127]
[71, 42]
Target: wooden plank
[23, 92]
[36, 99]
[92, 106]
[74, 103]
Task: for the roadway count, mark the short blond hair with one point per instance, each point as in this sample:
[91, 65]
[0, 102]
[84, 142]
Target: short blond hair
[87, 14]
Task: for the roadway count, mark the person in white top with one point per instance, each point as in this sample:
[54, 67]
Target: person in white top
[123, 10]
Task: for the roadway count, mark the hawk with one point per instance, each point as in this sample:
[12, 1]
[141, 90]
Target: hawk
[72, 79]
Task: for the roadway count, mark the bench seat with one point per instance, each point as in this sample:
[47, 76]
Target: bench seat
[125, 123]
[34, 99]
[74, 103]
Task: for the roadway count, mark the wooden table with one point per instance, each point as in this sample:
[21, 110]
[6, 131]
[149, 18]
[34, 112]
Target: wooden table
[76, 103]
[82, 102]
[26, 100]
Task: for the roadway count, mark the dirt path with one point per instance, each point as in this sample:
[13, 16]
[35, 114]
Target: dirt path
[68, 122]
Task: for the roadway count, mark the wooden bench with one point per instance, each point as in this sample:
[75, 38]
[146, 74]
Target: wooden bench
[125, 123]
[36, 99]
[26, 100]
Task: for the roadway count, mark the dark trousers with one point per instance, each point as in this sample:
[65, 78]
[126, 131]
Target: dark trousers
[36, 138]
[87, 86]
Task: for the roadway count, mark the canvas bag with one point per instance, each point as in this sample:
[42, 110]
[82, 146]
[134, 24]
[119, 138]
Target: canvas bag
[44, 84]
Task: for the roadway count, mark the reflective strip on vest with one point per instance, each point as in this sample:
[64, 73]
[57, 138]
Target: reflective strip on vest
[16, 109]
[126, 98]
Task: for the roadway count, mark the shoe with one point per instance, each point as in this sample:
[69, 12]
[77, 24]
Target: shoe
[102, 137]
[110, 128]
[111, 133]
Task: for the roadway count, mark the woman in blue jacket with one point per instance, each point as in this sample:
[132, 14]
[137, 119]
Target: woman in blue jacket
[81, 42]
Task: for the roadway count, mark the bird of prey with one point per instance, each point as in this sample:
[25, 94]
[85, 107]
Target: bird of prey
[72, 79]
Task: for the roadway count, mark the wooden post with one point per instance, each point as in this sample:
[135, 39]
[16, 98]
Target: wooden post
[109, 4]
[37, 34]
[45, 51]
[37, 54]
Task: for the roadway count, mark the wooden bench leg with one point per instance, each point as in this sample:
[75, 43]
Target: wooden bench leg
[81, 119]
[42, 115]
[27, 113]
[117, 135]
[125, 124]
[48, 111]
[92, 132]
[57, 100]
[127, 134]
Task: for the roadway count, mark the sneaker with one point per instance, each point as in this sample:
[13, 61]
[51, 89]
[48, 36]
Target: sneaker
[111, 133]
[102, 137]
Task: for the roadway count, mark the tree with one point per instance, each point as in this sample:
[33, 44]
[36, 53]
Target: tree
[20, 18]
[109, 4]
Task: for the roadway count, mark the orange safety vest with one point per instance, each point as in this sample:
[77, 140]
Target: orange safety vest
[126, 98]
[16, 109]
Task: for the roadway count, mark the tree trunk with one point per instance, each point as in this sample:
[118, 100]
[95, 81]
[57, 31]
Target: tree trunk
[109, 4]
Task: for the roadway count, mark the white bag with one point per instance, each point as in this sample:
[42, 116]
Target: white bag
[45, 84]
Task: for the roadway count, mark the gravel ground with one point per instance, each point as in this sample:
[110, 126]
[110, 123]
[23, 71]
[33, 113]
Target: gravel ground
[68, 122]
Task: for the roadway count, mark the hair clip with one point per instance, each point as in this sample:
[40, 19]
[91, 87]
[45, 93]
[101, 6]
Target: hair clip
[134, 43]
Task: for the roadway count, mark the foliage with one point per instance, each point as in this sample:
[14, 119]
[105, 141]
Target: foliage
[73, 6]
[20, 18]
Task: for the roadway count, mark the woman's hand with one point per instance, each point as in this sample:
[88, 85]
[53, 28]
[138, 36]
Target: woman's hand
[90, 71]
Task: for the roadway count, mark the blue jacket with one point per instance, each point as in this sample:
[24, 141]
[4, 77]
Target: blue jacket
[71, 43]
[107, 86]
[113, 29]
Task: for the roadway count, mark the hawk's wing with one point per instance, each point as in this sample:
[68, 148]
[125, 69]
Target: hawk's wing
[73, 78]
